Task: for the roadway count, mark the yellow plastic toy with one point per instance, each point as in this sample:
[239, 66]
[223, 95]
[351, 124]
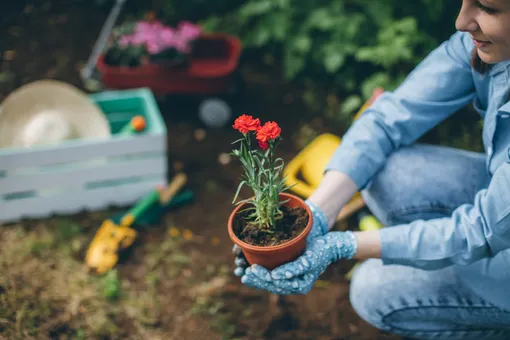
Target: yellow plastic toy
[305, 171]
[111, 238]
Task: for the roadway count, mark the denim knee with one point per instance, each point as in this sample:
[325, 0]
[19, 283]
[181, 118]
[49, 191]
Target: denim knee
[422, 182]
[386, 192]
[366, 294]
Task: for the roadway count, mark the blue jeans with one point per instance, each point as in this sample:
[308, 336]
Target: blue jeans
[424, 182]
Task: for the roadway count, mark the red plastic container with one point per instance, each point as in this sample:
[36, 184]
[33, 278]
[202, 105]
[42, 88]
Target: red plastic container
[214, 59]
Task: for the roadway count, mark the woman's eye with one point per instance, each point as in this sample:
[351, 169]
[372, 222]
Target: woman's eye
[485, 8]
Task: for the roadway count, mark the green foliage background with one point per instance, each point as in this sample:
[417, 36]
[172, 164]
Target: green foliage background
[352, 46]
[340, 48]
[349, 46]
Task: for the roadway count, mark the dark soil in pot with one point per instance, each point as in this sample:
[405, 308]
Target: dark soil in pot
[292, 223]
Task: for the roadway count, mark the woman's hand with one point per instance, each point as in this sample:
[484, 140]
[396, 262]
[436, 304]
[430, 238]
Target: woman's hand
[299, 276]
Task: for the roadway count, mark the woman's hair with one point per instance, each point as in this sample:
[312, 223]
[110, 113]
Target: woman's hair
[478, 64]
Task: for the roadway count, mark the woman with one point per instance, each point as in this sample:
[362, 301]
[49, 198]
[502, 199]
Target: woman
[441, 269]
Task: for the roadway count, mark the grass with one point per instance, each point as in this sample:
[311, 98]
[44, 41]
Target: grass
[46, 291]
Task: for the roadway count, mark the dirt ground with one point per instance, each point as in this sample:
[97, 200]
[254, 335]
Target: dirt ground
[176, 282]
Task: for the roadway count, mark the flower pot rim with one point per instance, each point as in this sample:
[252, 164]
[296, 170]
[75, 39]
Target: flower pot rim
[282, 246]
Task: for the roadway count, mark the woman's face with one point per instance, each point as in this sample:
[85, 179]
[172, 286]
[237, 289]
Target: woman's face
[488, 23]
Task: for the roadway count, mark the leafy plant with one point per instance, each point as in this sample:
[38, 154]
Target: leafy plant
[351, 45]
[262, 172]
[111, 285]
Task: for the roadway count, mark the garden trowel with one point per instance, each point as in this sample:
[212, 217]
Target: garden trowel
[113, 236]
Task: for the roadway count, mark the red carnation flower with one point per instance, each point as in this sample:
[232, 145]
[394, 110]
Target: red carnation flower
[263, 145]
[269, 131]
[246, 123]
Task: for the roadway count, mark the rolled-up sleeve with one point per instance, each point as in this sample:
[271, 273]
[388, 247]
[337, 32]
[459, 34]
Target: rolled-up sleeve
[441, 84]
[474, 231]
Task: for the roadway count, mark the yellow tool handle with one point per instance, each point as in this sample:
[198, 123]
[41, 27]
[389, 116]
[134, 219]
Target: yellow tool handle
[173, 188]
[350, 208]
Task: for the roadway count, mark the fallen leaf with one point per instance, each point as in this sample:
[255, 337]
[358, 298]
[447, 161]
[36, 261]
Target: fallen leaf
[178, 166]
[209, 288]
[174, 232]
[187, 234]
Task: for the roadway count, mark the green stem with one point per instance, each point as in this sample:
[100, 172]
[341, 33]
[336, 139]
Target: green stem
[273, 200]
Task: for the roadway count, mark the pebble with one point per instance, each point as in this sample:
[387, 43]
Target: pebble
[224, 158]
[199, 134]
[178, 166]
[9, 55]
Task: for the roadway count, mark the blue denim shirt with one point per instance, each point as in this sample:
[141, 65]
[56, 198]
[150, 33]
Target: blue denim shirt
[475, 236]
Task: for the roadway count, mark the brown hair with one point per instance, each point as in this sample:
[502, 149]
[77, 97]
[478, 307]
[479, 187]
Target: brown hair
[478, 64]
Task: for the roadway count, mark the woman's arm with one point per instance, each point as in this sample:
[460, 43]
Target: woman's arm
[335, 190]
[474, 231]
[440, 85]
[369, 245]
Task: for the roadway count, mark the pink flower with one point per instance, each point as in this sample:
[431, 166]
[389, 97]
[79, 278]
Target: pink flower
[149, 27]
[157, 37]
[188, 30]
[154, 47]
[181, 45]
[168, 36]
[124, 41]
[139, 38]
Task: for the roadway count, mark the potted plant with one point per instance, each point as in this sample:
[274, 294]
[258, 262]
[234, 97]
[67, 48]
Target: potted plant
[271, 226]
[151, 42]
[167, 60]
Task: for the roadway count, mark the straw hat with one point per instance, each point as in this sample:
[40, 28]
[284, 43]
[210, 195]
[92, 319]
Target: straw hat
[49, 111]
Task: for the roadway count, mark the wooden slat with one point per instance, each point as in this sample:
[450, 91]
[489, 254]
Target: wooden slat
[80, 151]
[76, 201]
[72, 176]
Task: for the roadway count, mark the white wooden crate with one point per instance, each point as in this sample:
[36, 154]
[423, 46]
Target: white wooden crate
[88, 174]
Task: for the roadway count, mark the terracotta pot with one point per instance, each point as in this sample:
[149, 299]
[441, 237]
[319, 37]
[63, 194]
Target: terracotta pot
[273, 256]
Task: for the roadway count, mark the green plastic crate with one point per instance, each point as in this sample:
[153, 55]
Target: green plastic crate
[88, 174]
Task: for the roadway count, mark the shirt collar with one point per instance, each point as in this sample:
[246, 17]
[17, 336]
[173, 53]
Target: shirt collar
[499, 68]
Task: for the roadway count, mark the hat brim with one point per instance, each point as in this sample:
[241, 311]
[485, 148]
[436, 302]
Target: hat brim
[19, 107]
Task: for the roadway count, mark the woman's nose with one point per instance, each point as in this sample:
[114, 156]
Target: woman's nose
[466, 21]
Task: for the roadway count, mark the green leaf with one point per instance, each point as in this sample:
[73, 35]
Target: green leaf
[293, 64]
[210, 24]
[111, 285]
[301, 44]
[333, 60]
[379, 79]
[283, 4]
[278, 24]
[260, 36]
[321, 18]
[238, 190]
[351, 104]
[255, 8]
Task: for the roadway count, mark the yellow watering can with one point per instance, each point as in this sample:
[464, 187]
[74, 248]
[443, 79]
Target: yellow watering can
[305, 171]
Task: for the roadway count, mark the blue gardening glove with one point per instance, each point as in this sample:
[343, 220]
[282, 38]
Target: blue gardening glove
[298, 277]
[319, 228]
